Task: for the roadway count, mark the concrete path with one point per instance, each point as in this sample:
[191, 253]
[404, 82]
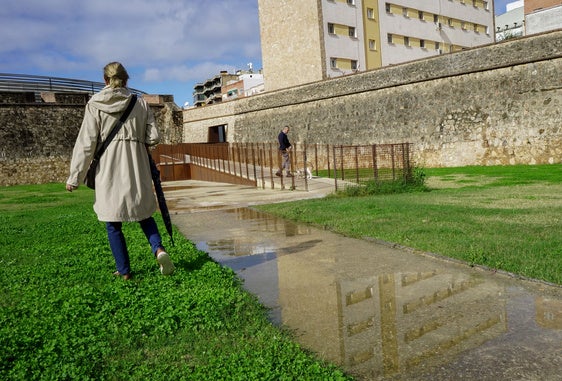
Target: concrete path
[380, 312]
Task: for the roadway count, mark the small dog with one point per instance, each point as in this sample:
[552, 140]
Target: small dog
[305, 172]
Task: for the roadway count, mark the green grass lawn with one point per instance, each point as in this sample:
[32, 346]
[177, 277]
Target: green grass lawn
[64, 316]
[507, 218]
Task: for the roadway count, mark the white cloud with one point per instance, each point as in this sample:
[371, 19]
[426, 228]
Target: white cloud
[166, 45]
[171, 35]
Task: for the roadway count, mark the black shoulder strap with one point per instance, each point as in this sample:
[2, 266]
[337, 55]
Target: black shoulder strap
[116, 128]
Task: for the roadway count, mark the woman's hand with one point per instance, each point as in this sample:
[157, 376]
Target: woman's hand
[70, 187]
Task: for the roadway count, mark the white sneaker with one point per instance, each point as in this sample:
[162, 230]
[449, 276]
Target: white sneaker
[166, 265]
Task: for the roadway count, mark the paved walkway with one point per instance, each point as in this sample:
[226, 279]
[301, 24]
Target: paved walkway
[380, 312]
[201, 195]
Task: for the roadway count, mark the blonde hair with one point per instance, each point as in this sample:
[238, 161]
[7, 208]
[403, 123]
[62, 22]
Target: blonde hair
[115, 74]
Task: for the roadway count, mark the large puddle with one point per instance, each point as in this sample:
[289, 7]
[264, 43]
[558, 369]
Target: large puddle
[383, 313]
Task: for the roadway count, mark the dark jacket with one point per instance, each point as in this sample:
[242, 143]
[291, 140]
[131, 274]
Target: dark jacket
[283, 141]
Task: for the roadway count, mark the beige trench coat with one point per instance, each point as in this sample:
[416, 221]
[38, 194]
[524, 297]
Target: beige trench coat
[123, 181]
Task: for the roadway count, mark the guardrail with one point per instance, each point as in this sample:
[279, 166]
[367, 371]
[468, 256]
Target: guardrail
[37, 83]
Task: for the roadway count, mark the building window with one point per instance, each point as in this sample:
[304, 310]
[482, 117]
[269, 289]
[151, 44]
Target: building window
[370, 13]
[351, 2]
[354, 65]
[389, 38]
[406, 41]
[405, 12]
[333, 63]
[422, 44]
[372, 45]
[437, 46]
[420, 15]
[450, 22]
[331, 28]
[387, 7]
[436, 18]
[463, 25]
[352, 32]
[486, 6]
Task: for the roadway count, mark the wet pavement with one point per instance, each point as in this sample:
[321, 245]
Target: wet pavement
[381, 312]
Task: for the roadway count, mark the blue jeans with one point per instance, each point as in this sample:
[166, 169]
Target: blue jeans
[119, 246]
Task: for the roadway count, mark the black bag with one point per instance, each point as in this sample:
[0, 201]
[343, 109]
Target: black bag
[90, 179]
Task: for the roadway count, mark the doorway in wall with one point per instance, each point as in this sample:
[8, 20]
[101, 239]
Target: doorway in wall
[217, 134]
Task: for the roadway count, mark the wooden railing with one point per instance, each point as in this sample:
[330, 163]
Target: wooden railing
[256, 163]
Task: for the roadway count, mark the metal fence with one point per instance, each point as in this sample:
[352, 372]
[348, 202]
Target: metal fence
[256, 163]
[380, 162]
[37, 83]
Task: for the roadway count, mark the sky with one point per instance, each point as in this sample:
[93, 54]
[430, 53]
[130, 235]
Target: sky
[167, 46]
[499, 6]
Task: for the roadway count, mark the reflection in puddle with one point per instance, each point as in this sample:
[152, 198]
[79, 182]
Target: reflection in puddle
[381, 313]
[233, 247]
[549, 312]
[390, 325]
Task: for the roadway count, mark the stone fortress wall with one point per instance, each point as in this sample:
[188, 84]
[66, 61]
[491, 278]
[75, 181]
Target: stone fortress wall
[494, 105]
[37, 138]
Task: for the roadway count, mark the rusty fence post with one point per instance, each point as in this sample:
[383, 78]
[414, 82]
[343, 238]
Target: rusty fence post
[406, 161]
[222, 162]
[280, 168]
[375, 163]
[254, 162]
[328, 160]
[239, 173]
[342, 163]
[292, 158]
[247, 159]
[357, 164]
[305, 161]
[227, 158]
[270, 150]
[393, 162]
[261, 159]
[316, 157]
[335, 168]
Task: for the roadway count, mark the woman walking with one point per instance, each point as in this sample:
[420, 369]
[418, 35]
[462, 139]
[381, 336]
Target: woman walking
[123, 190]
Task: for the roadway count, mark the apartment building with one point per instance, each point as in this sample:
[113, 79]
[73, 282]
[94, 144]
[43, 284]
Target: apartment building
[225, 87]
[542, 15]
[246, 85]
[310, 40]
[210, 91]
